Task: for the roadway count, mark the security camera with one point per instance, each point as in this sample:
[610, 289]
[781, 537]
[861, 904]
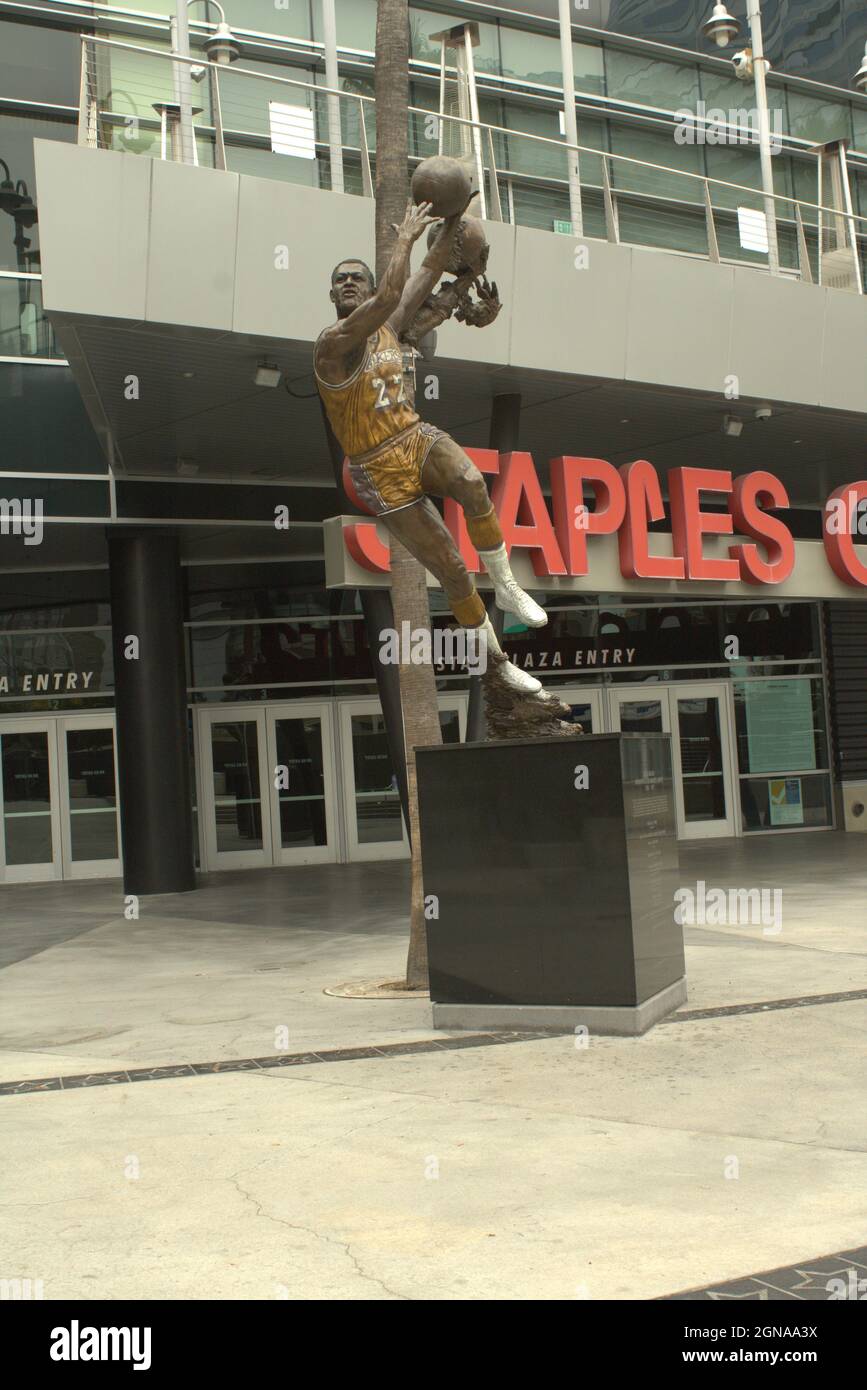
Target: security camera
[743, 64]
[763, 414]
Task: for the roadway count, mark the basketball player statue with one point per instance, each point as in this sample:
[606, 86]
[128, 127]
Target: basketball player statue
[397, 461]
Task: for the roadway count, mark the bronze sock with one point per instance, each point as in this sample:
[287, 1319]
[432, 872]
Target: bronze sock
[469, 611]
[484, 531]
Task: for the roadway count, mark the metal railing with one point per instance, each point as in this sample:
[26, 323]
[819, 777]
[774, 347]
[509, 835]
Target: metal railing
[281, 127]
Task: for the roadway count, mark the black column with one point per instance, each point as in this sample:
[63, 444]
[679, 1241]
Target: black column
[845, 645]
[151, 700]
[503, 436]
[378, 615]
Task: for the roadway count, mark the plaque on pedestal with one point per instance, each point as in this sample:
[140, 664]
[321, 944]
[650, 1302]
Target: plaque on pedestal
[550, 867]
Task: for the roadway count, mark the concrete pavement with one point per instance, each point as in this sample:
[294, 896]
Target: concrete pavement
[709, 1148]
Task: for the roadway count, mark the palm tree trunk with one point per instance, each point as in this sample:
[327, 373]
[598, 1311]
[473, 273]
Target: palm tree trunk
[408, 584]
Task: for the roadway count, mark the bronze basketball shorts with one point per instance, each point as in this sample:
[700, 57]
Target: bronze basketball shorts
[388, 477]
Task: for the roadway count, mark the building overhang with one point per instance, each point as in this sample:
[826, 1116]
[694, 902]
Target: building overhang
[169, 285]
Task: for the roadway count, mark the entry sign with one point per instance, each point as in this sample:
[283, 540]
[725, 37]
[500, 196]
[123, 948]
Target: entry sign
[626, 501]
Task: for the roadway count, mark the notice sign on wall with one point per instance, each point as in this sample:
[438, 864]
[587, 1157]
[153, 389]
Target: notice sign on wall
[786, 803]
[779, 716]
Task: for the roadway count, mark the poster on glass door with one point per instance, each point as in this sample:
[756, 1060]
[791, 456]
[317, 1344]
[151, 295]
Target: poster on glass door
[786, 801]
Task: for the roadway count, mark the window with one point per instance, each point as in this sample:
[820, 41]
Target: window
[737, 101]
[741, 164]
[356, 23]
[634, 77]
[531, 57]
[34, 653]
[45, 424]
[244, 100]
[129, 84]
[529, 156]
[290, 18]
[39, 64]
[423, 23]
[19, 230]
[546, 161]
[655, 148]
[782, 751]
[589, 69]
[24, 329]
[811, 119]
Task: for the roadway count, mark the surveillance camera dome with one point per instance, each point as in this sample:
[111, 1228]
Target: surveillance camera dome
[763, 413]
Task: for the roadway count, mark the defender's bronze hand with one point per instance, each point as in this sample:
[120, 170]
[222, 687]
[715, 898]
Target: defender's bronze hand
[489, 295]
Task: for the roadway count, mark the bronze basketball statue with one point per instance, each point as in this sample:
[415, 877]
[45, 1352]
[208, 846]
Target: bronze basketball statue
[364, 373]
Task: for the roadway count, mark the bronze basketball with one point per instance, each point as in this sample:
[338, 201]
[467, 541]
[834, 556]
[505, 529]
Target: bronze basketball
[471, 248]
[443, 182]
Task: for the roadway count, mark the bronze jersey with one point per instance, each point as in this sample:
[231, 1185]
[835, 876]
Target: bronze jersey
[372, 405]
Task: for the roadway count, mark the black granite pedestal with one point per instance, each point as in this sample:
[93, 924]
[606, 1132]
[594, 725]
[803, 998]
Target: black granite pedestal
[550, 867]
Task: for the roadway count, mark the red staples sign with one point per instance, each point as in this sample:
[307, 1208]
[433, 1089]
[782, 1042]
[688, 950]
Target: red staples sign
[558, 535]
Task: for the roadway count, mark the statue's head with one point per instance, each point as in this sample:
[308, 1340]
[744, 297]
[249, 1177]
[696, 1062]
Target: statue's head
[351, 283]
[470, 250]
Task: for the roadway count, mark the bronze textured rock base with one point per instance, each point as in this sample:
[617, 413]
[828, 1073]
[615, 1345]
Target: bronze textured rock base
[511, 713]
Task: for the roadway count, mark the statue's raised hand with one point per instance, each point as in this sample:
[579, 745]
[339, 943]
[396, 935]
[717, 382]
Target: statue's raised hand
[416, 221]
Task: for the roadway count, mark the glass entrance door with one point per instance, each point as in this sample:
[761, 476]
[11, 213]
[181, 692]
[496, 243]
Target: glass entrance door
[697, 717]
[30, 845]
[236, 815]
[58, 791]
[639, 710]
[300, 741]
[371, 801]
[266, 789]
[587, 707]
[701, 754]
[89, 818]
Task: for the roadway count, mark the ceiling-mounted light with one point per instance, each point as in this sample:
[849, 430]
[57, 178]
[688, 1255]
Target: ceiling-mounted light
[722, 27]
[732, 426]
[267, 374]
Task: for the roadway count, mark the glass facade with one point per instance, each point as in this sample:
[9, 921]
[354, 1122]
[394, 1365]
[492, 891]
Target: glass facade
[288, 643]
[628, 104]
[822, 42]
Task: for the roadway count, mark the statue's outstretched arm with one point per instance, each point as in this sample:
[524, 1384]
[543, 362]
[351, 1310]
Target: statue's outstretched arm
[350, 333]
[437, 308]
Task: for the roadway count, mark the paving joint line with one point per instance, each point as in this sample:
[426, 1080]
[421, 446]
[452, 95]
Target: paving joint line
[124, 1075]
